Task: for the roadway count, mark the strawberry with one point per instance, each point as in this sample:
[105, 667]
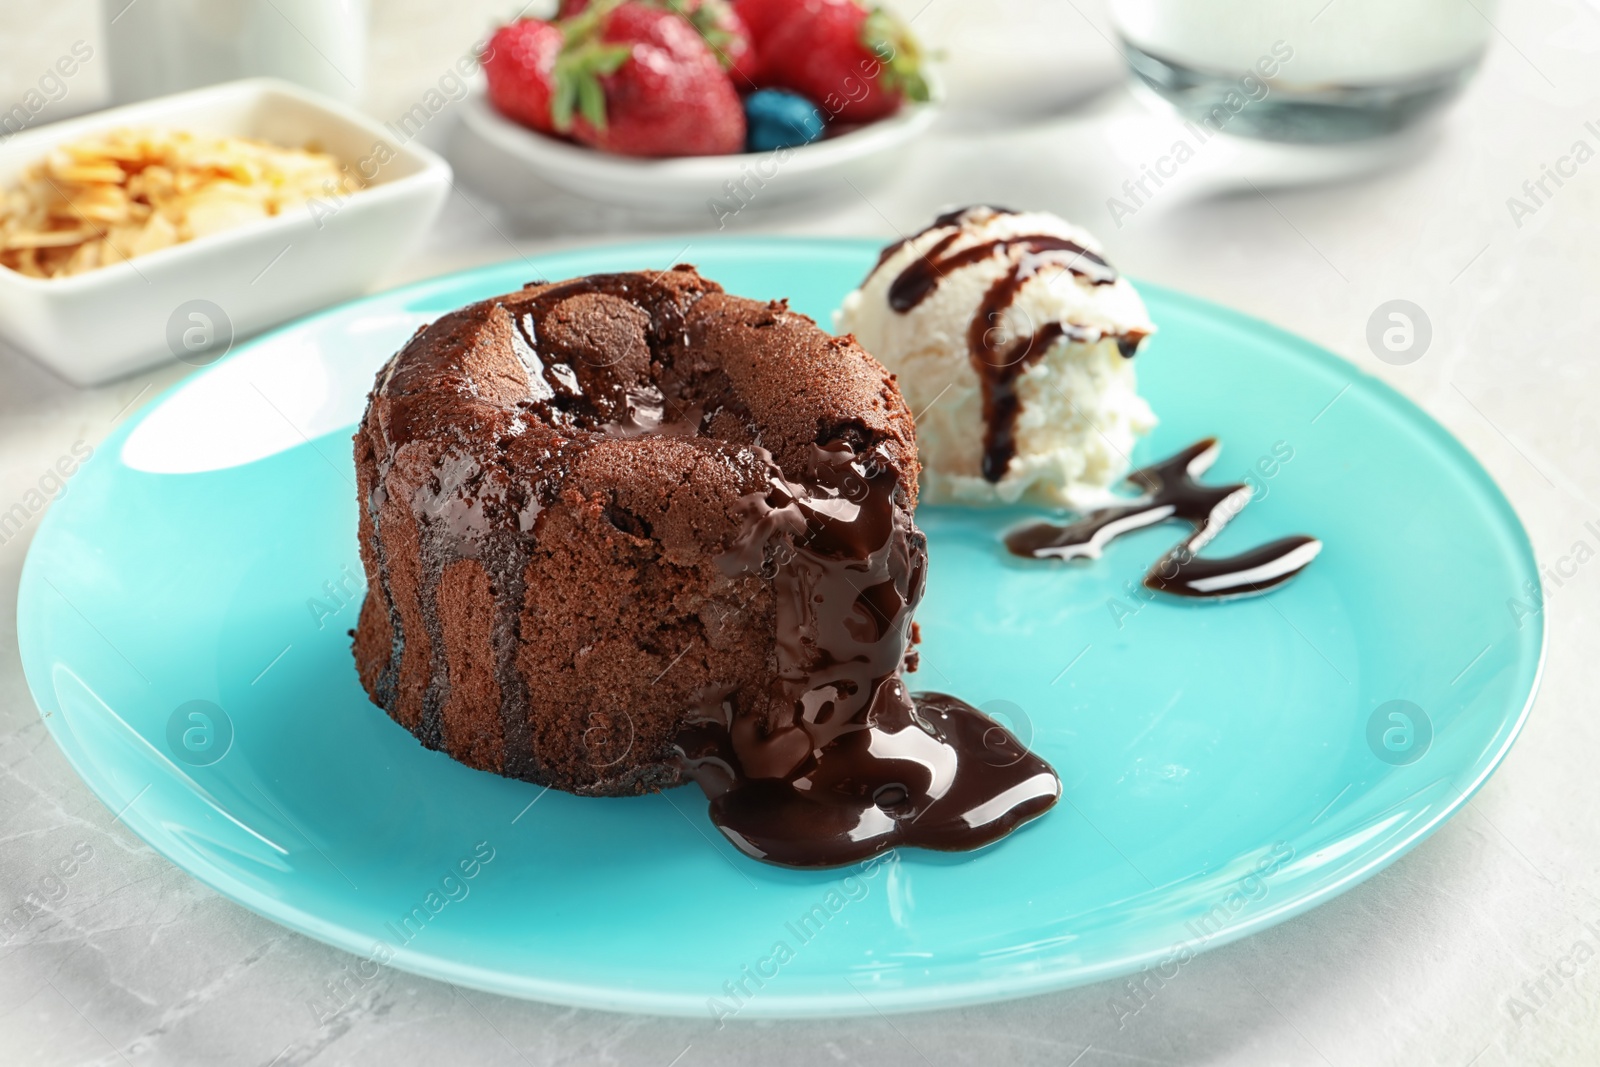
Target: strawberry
[717, 22]
[859, 65]
[729, 38]
[520, 66]
[666, 97]
[534, 69]
[761, 17]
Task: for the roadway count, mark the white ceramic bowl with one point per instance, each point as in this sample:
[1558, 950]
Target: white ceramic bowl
[100, 325]
[713, 186]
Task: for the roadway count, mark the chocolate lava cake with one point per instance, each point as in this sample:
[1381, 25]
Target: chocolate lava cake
[629, 529]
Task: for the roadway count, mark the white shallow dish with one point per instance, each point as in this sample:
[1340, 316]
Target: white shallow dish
[714, 187]
[189, 301]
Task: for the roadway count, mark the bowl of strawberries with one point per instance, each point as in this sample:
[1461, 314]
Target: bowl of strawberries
[704, 105]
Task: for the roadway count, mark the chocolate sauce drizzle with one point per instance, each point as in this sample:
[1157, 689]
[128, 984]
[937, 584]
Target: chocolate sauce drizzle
[852, 764]
[1172, 492]
[922, 275]
[999, 366]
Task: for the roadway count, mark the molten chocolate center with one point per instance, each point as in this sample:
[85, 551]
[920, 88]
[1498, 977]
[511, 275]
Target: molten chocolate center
[852, 764]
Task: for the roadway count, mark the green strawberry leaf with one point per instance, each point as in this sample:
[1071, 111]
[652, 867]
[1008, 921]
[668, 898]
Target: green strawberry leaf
[707, 18]
[563, 101]
[592, 102]
[580, 66]
[583, 27]
[886, 37]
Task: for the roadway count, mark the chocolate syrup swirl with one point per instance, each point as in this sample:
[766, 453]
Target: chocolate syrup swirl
[1173, 492]
[851, 764]
[1255, 571]
[922, 275]
[949, 218]
[1000, 366]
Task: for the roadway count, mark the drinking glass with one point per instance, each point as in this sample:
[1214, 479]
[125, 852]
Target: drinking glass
[1304, 70]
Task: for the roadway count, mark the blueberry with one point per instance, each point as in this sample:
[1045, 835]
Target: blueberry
[778, 119]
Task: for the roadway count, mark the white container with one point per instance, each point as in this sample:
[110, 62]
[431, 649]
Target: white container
[714, 187]
[191, 300]
[158, 47]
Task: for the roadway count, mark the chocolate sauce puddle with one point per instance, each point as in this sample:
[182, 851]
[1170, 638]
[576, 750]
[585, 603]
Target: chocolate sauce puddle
[850, 764]
[1173, 492]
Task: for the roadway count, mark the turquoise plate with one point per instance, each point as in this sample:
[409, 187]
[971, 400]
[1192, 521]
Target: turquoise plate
[183, 618]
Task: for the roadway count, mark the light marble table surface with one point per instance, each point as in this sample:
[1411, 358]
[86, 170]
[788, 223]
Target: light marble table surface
[1425, 963]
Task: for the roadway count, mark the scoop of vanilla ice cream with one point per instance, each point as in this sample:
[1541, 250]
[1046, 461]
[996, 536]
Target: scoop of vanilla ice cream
[1079, 414]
